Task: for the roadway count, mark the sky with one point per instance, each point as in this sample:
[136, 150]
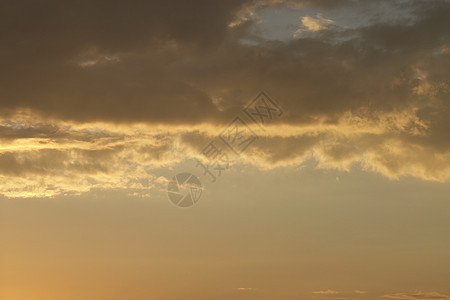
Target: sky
[225, 150]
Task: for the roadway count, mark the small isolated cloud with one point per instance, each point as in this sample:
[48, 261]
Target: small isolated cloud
[359, 292]
[313, 24]
[245, 289]
[327, 292]
[418, 296]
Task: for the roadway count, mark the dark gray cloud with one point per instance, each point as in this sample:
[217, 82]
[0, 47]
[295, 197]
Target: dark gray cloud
[46, 43]
[162, 61]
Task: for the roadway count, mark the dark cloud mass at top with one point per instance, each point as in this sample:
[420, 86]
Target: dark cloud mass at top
[111, 60]
[165, 61]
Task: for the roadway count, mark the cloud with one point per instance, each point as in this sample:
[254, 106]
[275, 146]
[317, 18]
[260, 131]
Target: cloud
[94, 96]
[245, 289]
[164, 69]
[313, 24]
[326, 292]
[41, 159]
[359, 292]
[418, 296]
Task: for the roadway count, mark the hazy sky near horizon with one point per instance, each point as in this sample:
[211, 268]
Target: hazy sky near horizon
[340, 188]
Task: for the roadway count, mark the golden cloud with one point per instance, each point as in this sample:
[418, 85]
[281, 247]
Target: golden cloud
[41, 159]
[326, 292]
[418, 296]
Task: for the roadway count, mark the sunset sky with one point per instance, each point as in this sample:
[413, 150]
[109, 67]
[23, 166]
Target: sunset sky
[318, 130]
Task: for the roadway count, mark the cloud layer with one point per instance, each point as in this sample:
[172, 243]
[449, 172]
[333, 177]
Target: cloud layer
[95, 94]
[417, 296]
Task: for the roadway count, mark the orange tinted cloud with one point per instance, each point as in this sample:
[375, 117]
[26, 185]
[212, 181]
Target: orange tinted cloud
[326, 292]
[417, 296]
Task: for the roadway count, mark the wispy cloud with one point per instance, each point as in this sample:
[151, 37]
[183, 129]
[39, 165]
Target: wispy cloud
[327, 292]
[417, 296]
[246, 289]
[41, 158]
